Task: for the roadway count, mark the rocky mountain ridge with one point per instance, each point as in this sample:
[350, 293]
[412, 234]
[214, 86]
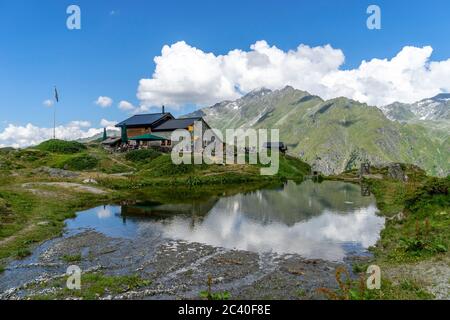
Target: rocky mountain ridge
[338, 134]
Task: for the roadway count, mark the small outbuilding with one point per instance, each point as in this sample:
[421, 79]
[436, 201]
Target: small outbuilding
[276, 145]
[112, 142]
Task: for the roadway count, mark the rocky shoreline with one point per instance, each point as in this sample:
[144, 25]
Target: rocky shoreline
[174, 269]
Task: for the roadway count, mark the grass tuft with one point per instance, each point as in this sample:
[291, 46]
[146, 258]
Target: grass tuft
[71, 258]
[94, 286]
[142, 155]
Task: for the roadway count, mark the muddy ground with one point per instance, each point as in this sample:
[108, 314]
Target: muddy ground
[176, 269]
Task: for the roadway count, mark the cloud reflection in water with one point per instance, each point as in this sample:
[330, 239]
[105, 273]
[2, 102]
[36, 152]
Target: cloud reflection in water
[324, 236]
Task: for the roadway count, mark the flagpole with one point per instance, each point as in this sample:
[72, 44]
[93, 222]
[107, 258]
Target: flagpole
[54, 113]
[54, 122]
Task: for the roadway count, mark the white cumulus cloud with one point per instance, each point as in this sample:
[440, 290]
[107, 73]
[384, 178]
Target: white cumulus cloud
[23, 136]
[104, 102]
[187, 75]
[48, 103]
[79, 124]
[126, 106]
[107, 123]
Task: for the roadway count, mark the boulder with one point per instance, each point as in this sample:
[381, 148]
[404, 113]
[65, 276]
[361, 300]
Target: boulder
[93, 181]
[58, 173]
[396, 172]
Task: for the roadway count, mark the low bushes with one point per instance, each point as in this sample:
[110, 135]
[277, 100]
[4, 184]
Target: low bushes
[29, 155]
[419, 223]
[81, 162]
[435, 191]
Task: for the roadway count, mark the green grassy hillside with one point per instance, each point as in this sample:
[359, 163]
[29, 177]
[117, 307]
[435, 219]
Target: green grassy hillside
[335, 135]
[42, 186]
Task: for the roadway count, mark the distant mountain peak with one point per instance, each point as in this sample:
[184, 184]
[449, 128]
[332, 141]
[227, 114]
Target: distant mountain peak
[265, 91]
[435, 108]
[258, 92]
[441, 96]
[332, 135]
[288, 88]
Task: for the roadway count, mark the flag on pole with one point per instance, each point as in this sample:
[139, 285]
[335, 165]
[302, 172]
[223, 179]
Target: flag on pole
[56, 95]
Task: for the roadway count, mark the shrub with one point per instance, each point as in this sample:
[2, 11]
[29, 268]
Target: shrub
[30, 155]
[71, 258]
[434, 191]
[424, 241]
[142, 155]
[210, 295]
[61, 146]
[81, 162]
[7, 150]
[23, 253]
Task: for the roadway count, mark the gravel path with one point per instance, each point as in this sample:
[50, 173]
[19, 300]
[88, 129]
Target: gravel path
[69, 185]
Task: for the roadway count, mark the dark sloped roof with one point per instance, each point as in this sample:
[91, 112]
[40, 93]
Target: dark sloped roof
[177, 124]
[111, 140]
[143, 119]
[148, 137]
[270, 145]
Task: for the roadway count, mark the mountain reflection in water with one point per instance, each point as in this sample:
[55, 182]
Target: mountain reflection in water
[328, 220]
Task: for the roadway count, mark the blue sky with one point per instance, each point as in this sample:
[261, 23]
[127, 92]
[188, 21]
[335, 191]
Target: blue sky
[118, 41]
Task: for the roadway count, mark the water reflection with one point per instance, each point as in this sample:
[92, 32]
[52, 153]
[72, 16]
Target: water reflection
[104, 212]
[327, 220]
[326, 236]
